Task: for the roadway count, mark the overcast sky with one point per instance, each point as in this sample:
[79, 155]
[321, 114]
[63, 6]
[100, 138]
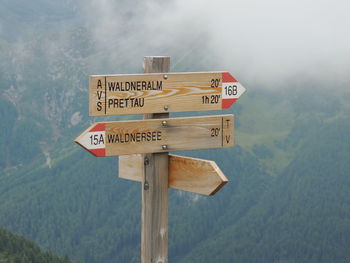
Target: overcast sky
[285, 38]
[270, 41]
[261, 40]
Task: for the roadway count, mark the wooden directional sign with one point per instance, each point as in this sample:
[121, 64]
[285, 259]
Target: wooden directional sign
[157, 135]
[157, 93]
[185, 173]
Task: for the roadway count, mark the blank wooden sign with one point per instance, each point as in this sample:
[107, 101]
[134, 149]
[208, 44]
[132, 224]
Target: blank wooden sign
[185, 173]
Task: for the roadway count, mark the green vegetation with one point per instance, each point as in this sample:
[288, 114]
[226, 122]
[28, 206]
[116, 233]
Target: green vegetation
[303, 217]
[16, 249]
[8, 115]
[80, 208]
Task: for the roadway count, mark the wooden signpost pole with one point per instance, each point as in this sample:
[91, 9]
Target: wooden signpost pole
[154, 210]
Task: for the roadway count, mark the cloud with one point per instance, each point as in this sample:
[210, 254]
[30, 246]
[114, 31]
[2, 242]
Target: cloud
[279, 39]
[265, 42]
[125, 31]
[262, 41]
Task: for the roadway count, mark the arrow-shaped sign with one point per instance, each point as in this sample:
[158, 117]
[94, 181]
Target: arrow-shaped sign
[157, 93]
[157, 135]
[185, 173]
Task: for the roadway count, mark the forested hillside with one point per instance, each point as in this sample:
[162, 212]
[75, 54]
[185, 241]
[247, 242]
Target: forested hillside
[304, 216]
[16, 249]
[295, 212]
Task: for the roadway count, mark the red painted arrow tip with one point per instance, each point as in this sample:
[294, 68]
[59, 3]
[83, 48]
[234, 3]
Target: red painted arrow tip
[227, 103]
[98, 127]
[98, 152]
[227, 77]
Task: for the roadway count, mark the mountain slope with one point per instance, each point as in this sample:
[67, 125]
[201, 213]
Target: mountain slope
[305, 215]
[14, 248]
[78, 207]
[75, 205]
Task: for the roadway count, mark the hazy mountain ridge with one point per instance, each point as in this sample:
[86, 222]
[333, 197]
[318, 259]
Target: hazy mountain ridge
[41, 87]
[20, 19]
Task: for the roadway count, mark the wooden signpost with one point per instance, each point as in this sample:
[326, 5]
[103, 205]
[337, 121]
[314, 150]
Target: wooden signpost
[158, 135]
[143, 145]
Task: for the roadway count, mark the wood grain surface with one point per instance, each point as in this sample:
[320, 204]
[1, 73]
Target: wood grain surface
[163, 135]
[154, 203]
[185, 173]
[114, 95]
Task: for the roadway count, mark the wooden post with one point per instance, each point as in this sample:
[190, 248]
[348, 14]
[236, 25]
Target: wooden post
[154, 214]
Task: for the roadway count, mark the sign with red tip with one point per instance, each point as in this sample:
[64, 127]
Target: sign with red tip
[158, 135]
[231, 90]
[157, 93]
[94, 139]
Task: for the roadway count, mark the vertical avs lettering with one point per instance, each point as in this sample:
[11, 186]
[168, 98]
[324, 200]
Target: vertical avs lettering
[99, 93]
